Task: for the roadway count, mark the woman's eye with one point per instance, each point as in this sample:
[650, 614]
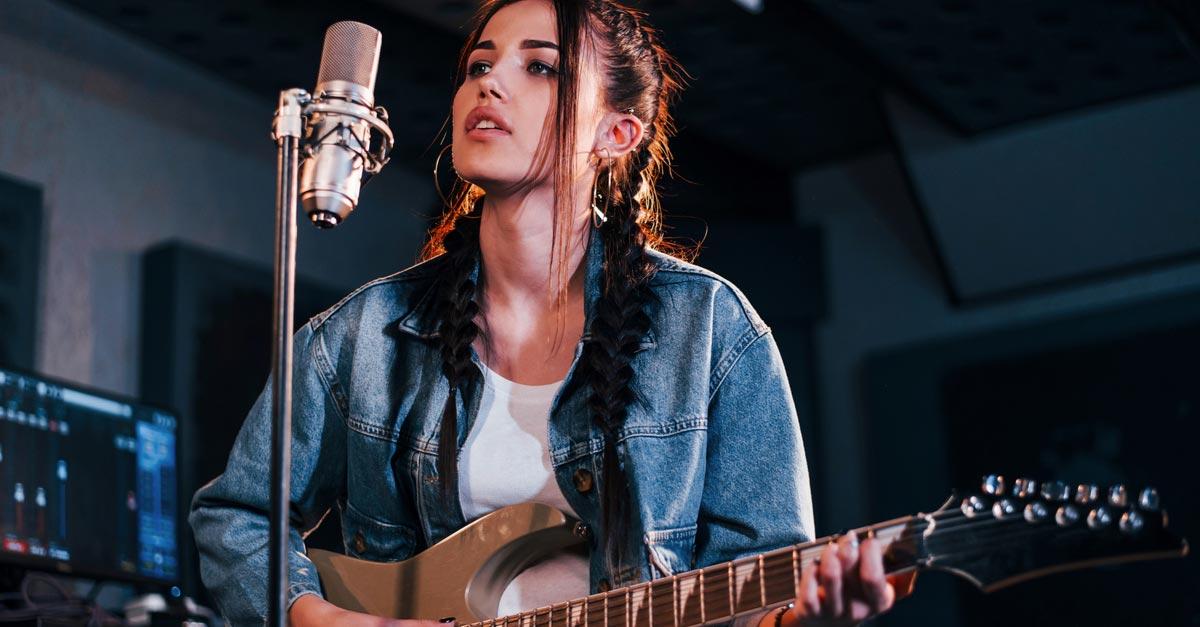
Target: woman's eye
[538, 67]
[479, 68]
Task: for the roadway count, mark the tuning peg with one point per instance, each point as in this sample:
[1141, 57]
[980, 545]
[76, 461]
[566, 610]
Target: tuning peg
[1025, 488]
[1003, 508]
[1148, 500]
[1131, 522]
[1036, 512]
[1099, 518]
[1117, 496]
[993, 485]
[1066, 515]
[974, 506]
[1056, 491]
[1086, 494]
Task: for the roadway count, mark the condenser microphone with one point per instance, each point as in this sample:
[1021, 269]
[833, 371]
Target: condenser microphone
[337, 136]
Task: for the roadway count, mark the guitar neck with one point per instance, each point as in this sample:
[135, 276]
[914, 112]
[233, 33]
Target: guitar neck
[716, 593]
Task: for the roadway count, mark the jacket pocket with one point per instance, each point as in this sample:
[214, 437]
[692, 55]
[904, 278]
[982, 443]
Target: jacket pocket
[671, 551]
[375, 540]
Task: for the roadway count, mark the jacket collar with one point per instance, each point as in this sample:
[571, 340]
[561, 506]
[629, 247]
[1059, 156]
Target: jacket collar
[422, 321]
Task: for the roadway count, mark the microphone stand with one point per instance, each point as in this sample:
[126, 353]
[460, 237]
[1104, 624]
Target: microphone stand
[295, 107]
[287, 131]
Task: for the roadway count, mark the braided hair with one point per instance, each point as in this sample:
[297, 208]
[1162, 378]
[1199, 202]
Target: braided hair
[641, 78]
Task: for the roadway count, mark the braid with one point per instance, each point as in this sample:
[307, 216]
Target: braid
[456, 293]
[619, 324]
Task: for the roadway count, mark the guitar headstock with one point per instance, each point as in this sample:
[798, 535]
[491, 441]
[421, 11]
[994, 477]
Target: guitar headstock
[1008, 532]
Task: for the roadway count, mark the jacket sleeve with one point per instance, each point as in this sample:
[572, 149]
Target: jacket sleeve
[229, 516]
[756, 488]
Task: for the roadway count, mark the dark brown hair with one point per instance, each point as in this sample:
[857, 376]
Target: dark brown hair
[639, 77]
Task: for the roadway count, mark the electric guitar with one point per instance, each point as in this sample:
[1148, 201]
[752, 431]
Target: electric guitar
[994, 538]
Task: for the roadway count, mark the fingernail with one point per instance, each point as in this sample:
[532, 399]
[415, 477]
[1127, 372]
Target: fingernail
[852, 538]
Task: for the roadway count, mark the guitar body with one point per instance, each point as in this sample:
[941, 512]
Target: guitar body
[462, 576]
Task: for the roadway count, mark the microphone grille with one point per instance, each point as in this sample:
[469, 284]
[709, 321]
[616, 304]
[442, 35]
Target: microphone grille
[351, 54]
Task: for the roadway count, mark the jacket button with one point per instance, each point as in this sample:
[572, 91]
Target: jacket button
[360, 543]
[604, 585]
[583, 481]
[583, 531]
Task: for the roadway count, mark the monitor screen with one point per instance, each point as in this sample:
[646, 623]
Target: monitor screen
[87, 481]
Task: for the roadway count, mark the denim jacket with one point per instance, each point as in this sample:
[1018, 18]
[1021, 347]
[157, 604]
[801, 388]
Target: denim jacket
[711, 448]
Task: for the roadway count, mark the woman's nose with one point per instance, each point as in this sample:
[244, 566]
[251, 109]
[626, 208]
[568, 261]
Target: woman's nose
[489, 86]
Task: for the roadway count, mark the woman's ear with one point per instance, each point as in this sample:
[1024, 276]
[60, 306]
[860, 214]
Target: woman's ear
[618, 135]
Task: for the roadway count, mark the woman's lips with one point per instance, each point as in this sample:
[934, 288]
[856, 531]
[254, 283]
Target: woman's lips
[489, 117]
[486, 133]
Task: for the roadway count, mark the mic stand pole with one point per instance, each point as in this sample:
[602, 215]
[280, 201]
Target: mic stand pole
[287, 131]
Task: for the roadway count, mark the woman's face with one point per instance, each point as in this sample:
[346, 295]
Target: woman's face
[503, 113]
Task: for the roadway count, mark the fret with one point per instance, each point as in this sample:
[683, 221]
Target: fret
[716, 595]
[703, 616]
[617, 606]
[563, 612]
[675, 599]
[796, 571]
[649, 604]
[777, 578]
[595, 605]
[662, 602]
[639, 610]
[762, 581]
[527, 619]
[746, 583]
[729, 585]
[537, 617]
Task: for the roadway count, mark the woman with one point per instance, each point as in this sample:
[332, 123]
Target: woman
[653, 395]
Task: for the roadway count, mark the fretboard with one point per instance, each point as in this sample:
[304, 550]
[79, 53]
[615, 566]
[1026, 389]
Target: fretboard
[712, 594]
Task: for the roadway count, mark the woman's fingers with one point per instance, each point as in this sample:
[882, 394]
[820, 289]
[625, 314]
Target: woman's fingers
[830, 575]
[809, 601]
[848, 552]
[846, 585]
[876, 590]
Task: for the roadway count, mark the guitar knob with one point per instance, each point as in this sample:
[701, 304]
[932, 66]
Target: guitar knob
[1099, 518]
[1003, 508]
[1086, 494]
[993, 485]
[1148, 500]
[1117, 496]
[974, 506]
[1131, 522]
[1066, 515]
[1036, 512]
[1025, 488]
[1056, 491]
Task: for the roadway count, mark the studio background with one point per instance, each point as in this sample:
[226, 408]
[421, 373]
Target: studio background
[867, 210]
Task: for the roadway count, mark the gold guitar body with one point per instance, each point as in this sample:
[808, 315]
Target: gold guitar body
[462, 576]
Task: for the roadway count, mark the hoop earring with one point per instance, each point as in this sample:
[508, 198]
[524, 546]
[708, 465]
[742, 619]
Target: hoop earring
[600, 217]
[437, 184]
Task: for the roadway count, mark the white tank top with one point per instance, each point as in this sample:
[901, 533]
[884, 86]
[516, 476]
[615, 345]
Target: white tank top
[506, 461]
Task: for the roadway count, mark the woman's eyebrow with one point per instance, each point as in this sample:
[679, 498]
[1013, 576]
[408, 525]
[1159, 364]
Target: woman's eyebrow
[528, 44]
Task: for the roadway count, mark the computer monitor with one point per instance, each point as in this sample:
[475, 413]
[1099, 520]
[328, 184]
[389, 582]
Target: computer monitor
[88, 482]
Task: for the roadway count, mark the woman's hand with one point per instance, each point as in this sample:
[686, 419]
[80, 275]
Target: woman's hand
[847, 586]
[312, 610]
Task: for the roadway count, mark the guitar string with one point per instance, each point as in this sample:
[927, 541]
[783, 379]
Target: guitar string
[945, 521]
